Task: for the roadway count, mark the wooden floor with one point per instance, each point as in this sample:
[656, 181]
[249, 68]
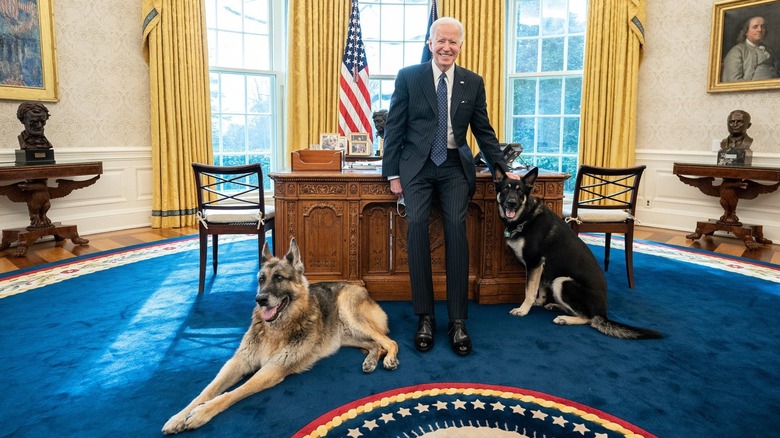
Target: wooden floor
[51, 251]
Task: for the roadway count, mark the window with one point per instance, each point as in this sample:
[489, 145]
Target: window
[545, 61]
[394, 37]
[244, 56]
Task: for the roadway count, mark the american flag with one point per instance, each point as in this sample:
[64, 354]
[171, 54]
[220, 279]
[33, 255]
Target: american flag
[354, 99]
[433, 16]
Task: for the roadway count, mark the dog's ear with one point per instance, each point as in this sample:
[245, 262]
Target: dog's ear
[498, 174]
[530, 178]
[294, 256]
[265, 255]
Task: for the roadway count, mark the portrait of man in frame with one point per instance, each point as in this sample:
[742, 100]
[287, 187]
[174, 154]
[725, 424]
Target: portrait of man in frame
[744, 46]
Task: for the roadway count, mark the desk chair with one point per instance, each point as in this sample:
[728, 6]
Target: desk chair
[230, 201]
[605, 202]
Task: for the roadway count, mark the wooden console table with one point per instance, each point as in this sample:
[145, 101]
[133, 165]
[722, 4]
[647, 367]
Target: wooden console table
[348, 229]
[37, 194]
[737, 184]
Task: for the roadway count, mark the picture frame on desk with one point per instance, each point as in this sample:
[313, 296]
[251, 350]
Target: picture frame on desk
[329, 141]
[729, 21]
[35, 79]
[359, 148]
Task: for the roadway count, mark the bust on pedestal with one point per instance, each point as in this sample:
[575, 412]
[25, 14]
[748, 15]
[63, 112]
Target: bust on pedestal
[34, 147]
[735, 149]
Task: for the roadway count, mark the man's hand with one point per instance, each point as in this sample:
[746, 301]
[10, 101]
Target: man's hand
[395, 187]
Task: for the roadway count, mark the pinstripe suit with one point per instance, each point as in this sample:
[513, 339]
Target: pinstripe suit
[409, 131]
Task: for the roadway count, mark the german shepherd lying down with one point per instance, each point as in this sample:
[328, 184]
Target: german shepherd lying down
[294, 325]
[561, 272]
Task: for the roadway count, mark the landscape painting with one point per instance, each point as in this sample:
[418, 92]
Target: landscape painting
[27, 51]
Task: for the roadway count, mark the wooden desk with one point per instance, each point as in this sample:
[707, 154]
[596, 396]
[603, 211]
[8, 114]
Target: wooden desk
[348, 229]
[37, 194]
[737, 184]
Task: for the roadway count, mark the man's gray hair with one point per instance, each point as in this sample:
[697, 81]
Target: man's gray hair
[448, 20]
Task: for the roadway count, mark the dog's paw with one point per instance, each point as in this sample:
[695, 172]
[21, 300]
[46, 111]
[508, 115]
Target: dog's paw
[198, 416]
[519, 311]
[369, 365]
[390, 363]
[561, 320]
[175, 424]
[555, 307]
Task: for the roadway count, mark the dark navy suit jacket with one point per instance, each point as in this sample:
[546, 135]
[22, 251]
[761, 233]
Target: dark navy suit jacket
[413, 114]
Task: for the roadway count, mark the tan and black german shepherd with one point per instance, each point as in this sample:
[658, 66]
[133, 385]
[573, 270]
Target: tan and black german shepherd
[294, 325]
[561, 272]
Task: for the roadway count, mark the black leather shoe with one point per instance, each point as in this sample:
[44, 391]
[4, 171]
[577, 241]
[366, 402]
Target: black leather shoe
[459, 337]
[426, 328]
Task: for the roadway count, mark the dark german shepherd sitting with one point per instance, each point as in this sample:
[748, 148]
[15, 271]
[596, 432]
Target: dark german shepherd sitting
[294, 325]
[561, 272]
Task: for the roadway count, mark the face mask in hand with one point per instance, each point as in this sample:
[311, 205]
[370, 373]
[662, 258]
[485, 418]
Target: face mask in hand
[398, 204]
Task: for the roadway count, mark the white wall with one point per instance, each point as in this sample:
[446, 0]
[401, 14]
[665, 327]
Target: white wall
[102, 115]
[120, 199]
[678, 121]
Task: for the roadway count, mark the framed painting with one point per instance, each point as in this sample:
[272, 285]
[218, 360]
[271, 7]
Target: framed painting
[744, 46]
[28, 65]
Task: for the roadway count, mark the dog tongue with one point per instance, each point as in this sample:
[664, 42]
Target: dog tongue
[269, 314]
[509, 213]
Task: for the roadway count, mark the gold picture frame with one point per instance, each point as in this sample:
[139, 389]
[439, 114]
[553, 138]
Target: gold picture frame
[359, 149]
[36, 79]
[728, 20]
[359, 144]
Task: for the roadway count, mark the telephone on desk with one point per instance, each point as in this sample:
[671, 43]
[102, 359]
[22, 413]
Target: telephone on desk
[512, 152]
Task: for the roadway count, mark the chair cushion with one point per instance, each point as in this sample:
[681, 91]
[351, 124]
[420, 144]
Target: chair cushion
[226, 218]
[599, 215]
[247, 216]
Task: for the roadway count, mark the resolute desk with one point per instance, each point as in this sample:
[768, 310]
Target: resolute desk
[348, 228]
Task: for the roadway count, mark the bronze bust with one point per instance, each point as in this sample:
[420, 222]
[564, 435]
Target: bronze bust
[380, 116]
[738, 122]
[33, 116]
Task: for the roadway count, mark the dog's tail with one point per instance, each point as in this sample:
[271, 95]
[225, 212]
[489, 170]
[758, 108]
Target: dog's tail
[622, 331]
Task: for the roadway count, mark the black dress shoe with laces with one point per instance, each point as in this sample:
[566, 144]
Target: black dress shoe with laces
[459, 337]
[426, 328]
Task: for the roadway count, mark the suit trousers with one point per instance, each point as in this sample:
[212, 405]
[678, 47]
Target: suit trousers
[448, 183]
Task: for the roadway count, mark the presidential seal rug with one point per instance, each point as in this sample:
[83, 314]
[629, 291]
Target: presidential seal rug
[467, 410]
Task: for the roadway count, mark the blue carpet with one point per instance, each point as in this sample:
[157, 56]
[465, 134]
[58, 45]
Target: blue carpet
[117, 352]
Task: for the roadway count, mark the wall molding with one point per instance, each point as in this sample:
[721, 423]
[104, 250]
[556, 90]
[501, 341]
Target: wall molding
[120, 199]
[665, 202]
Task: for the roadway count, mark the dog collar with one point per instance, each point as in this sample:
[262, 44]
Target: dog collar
[509, 234]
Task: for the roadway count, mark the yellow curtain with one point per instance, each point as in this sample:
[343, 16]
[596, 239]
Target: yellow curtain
[175, 47]
[317, 33]
[613, 51]
[483, 51]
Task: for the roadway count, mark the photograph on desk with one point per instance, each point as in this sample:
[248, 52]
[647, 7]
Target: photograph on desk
[359, 145]
[329, 141]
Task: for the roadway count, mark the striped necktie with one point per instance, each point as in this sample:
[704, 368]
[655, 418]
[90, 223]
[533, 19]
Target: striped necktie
[439, 150]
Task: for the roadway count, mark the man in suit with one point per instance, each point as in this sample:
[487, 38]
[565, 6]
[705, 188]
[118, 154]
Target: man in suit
[426, 155]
